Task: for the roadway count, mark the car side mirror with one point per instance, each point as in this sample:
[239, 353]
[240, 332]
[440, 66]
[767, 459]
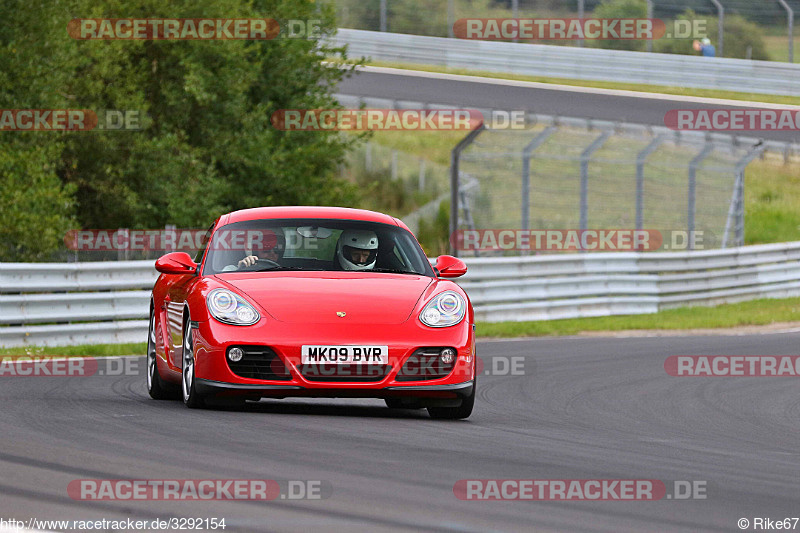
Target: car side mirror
[176, 263]
[448, 266]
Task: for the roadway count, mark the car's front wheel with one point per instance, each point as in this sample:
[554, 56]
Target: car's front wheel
[190, 396]
[455, 413]
[157, 388]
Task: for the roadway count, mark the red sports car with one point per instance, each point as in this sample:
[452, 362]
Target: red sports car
[312, 302]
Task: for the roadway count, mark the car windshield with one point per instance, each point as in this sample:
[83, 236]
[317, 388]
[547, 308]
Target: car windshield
[271, 245]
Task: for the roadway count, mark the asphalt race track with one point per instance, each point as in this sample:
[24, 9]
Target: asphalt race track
[584, 408]
[535, 98]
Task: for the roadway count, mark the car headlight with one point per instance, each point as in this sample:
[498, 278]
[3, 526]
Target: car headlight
[446, 309]
[230, 308]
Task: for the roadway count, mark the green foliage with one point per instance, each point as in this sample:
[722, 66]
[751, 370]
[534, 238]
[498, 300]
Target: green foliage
[207, 145]
[37, 208]
[752, 313]
[434, 235]
[414, 16]
[622, 9]
[740, 34]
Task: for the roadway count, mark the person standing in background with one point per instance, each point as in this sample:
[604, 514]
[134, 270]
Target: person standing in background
[705, 47]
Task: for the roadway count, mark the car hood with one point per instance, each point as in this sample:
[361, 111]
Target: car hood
[317, 297]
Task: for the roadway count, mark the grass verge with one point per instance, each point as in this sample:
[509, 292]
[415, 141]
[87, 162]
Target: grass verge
[85, 350]
[752, 313]
[777, 47]
[639, 87]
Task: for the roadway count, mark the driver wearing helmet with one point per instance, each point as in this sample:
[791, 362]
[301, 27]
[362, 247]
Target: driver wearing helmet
[357, 249]
[269, 250]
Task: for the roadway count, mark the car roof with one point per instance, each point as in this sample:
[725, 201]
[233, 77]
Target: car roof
[344, 213]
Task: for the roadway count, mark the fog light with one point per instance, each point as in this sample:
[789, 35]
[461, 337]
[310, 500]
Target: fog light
[235, 354]
[447, 355]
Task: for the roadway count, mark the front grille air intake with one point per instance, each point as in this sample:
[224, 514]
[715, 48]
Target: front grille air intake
[425, 364]
[259, 362]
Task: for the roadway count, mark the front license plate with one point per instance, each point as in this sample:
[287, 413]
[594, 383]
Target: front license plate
[376, 355]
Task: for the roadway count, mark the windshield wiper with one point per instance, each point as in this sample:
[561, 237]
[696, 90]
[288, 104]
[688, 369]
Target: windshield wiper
[277, 269]
[393, 271]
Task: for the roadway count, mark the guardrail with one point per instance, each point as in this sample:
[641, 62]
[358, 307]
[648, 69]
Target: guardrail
[87, 303]
[764, 77]
[601, 284]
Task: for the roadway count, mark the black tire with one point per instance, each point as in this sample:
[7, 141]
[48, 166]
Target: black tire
[456, 413]
[157, 388]
[191, 398]
[397, 403]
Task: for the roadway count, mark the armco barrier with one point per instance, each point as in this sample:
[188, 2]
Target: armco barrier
[765, 77]
[86, 303]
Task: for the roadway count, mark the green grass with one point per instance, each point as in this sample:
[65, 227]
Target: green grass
[86, 350]
[755, 312]
[772, 194]
[772, 188]
[680, 91]
[777, 47]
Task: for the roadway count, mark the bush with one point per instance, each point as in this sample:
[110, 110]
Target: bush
[434, 235]
[739, 35]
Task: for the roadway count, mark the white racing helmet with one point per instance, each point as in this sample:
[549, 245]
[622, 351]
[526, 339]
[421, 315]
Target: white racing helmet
[356, 242]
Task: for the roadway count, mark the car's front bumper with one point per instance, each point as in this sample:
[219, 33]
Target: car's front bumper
[428, 392]
[215, 377]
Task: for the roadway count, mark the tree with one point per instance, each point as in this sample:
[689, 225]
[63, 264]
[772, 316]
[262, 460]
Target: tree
[207, 145]
[38, 209]
[621, 9]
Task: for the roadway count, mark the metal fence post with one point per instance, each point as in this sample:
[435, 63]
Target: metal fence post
[720, 25]
[581, 8]
[585, 158]
[641, 157]
[455, 156]
[122, 253]
[733, 208]
[383, 15]
[790, 14]
[451, 17]
[693, 189]
[736, 208]
[515, 12]
[526, 172]
[650, 17]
